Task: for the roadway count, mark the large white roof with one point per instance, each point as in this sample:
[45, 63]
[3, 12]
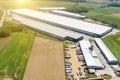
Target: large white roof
[90, 60]
[68, 13]
[52, 8]
[108, 54]
[65, 21]
[47, 28]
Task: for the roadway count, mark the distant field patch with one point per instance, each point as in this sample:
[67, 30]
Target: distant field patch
[109, 19]
[105, 15]
[98, 1]
[107, 10]
[117, 14]
[14, 56]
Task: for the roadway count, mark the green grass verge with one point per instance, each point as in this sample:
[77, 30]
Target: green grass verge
[93, 75]
[14, 56]
[113, 43]
[1, 39]
[1, 14]
[92, 14]
[38, 33]
[106, 76]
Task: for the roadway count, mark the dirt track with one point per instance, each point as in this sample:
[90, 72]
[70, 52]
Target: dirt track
[117, 14]
[46, 61]
[4, 42]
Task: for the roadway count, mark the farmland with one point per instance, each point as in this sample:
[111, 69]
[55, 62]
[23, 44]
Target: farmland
[105, 15]
[109, 19]
[46, 61]
[14, 56]
[113, 43]
[107, 10]
[0, 39]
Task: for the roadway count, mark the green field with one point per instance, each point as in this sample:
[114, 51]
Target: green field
[105, 15]
[1, 13]
[1, 39]
[102, 11]
[14, 56]
[113, 43]
[109, 19]
[39, 3]
[107, 10]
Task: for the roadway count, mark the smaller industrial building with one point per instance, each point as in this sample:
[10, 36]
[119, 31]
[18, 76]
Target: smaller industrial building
[68, 14]
[92, 62]
[50, 30]
[106, 52]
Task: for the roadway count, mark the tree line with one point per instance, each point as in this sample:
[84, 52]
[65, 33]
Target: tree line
[114, 5]
[9, 27]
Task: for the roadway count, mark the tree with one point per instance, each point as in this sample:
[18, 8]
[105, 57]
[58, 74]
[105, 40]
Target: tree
[114, 5]
[77, 9]
[4, 32]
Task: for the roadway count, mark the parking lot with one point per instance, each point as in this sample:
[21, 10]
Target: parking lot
[76, 62]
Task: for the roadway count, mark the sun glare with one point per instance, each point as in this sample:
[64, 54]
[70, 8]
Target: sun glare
[22, 1]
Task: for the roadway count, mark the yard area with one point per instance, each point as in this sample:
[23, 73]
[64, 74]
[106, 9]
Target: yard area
[113, 43]
[46, 61]
[14, 55]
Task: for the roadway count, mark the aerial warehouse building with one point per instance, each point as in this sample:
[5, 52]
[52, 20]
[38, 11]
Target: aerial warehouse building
[106, 52]
[91, 61]
[50, 30]
[68, 14]
[65, 22]
[52, 8]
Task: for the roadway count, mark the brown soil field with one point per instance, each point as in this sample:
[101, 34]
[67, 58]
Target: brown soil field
[46, 61]
[3, 42]
[117, 14]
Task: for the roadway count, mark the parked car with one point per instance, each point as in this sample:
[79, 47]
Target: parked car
[83, 64]
[87, 76]
[79, 70]
[67, 66]
[68, 63]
